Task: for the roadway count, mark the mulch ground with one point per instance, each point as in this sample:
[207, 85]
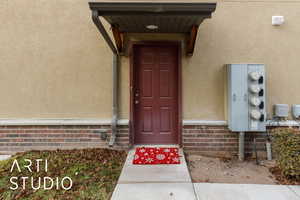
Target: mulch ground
[283, 180]
[224, 170]
[94, 174]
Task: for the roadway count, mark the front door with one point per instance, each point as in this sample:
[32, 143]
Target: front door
[155, 94]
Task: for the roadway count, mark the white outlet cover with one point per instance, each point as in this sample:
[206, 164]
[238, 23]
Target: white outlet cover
[277, 20]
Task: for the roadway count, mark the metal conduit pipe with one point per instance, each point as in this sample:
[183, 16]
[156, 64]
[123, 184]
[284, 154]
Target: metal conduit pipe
[115, 64]
[114, 120]
[241, 146]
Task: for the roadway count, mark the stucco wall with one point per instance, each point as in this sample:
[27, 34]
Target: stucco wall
[54, 64]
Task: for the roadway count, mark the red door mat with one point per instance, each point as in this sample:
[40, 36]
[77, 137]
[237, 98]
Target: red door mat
[154, 156]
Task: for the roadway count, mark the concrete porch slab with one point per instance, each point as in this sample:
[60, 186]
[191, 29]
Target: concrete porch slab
[154, 173]
[157, 191]
[214, 191]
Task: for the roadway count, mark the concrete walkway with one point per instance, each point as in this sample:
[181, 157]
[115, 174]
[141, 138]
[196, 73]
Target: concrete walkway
[173, 182]
[216, 191]
[155, 182]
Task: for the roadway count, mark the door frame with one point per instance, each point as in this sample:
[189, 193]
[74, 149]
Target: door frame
[134, 44]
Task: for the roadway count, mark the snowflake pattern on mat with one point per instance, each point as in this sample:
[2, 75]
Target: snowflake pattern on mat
[149, 160]
[136, 157]
[149, 155]
[167, 150]
[142, 150]
[160, 156]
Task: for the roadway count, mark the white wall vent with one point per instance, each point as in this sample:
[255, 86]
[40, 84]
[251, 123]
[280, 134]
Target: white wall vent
[296, 111]
[277, 20]
[281, 110]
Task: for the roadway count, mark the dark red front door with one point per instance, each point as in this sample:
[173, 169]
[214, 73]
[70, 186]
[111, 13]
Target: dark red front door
[155, 94]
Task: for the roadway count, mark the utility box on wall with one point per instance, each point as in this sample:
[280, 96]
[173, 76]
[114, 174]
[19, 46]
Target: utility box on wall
[246, 101]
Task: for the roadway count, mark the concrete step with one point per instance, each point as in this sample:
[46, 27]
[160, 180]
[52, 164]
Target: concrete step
[145, 182]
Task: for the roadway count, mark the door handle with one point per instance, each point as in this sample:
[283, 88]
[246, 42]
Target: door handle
[136, 102]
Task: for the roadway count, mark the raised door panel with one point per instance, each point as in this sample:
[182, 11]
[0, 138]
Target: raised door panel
[156, 85]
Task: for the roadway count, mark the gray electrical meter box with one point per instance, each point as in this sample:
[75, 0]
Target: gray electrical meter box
[246, 101]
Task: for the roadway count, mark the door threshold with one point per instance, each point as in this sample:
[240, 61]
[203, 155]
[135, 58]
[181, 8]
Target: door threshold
[156, 145]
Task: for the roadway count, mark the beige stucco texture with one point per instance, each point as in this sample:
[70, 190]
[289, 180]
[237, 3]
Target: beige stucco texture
[55, 64]
[53, 61]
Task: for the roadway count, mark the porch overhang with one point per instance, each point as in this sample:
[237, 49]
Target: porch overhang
[150, 17]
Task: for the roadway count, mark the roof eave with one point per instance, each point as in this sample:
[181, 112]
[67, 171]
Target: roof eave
[110, 8]
[200, 10]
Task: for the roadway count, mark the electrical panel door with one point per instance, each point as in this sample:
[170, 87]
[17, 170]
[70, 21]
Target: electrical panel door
[246, 102]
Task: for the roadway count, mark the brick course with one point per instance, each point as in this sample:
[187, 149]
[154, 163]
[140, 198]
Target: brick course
[219, 141]
[22, 138]
[203, 139]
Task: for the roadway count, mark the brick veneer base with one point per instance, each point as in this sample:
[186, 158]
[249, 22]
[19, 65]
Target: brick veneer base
[203, 139]
[22, 138]
[220, 141]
